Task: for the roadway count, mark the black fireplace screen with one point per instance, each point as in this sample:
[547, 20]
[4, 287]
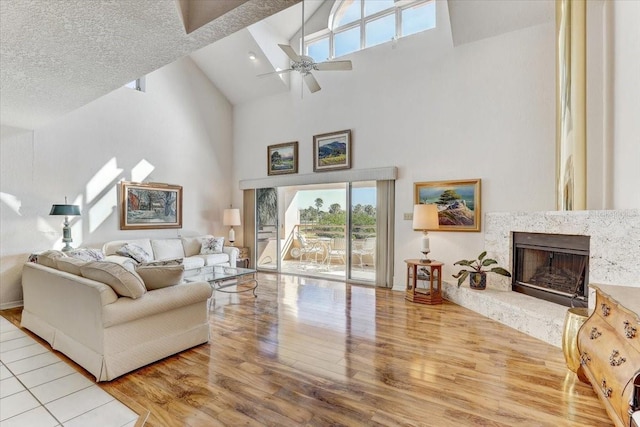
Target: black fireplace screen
[552, 266]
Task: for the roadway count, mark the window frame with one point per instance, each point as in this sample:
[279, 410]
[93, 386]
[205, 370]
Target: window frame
[361, 23]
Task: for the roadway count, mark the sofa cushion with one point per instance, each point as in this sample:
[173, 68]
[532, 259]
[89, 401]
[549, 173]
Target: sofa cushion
[50, 258]
[167, 248]
[193, 262]
[211, 245]
[135, 252]
[211, 259]
[192, 245]
[70, 265]
[124, 282]
[160, 276]
[86, 254]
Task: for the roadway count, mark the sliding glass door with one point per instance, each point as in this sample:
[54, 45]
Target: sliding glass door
[319, 230]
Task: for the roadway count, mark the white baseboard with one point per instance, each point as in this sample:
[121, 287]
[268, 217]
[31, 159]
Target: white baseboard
[8, 305]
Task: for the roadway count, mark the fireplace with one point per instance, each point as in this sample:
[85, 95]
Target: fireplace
[553, 267]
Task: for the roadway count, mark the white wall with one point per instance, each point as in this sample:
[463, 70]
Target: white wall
[480, 110]
[181, 128]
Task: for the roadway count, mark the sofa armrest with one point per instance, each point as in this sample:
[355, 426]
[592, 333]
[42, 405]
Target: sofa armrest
[233, 253]
[154, 302]
[64, 302]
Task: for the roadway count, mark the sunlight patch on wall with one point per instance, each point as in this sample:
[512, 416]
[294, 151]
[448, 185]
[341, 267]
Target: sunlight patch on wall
[12, 202]
[141, 171]
[103, 208]
[102, 179]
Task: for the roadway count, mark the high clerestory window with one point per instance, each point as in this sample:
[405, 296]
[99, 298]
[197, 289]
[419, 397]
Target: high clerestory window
[357, 24]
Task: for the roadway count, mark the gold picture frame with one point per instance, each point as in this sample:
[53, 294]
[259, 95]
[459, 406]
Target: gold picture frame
[458, 202]
[282, 158]
[150, 206]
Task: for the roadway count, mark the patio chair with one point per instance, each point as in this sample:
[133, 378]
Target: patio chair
[309, 250]
[366, 249]
[337, 249]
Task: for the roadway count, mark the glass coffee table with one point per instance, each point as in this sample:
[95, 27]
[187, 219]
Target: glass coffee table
[222, 278]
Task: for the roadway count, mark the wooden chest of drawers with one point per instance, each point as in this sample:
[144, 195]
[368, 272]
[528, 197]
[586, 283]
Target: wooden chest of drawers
[609, 346]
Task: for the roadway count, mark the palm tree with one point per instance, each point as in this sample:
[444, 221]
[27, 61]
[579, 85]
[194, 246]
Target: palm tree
[319, 202]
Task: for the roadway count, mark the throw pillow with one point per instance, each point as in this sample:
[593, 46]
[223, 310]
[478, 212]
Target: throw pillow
[175, 261]
[86, 254]
[49, 258]
[211, 245]
[70, 265]
[160, 276]
[124, 282]
[135, 252]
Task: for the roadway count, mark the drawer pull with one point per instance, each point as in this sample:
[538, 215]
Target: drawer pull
[584, 358]
[595, 333]
[615, 360]
[606, 390]
[629, 331]
[605, 309]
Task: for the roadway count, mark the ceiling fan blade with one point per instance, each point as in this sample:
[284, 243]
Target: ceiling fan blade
[290, 52]
[275, 72]
[334, 66]
[311, 82]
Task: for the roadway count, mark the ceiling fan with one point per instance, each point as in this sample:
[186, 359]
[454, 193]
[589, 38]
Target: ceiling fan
[305, 64]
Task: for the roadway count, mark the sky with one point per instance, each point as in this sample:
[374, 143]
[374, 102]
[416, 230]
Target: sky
[363, 196]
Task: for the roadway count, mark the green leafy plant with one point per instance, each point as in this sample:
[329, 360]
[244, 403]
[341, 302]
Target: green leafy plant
[478, 266]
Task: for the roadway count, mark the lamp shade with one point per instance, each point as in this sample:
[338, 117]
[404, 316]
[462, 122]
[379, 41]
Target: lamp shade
[425, 217]
[66, 210]
[231, 217]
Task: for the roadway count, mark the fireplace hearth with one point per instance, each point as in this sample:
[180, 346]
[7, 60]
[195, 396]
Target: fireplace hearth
[553, 267]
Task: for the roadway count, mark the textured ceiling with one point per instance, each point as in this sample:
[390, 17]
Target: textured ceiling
[58, 55]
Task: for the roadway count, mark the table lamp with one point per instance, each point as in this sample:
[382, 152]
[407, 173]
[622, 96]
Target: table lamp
[66, 210]
[425, 218]
[231, 217]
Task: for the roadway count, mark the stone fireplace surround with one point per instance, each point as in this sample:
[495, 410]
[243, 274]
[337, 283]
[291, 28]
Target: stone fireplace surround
[613, 260]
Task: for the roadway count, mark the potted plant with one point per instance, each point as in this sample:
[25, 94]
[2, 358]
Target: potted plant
[477, 272]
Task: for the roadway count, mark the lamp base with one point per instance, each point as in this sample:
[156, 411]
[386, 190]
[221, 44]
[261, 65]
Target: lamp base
[425, 257]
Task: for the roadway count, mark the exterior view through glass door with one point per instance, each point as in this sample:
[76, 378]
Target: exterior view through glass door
[326, 230]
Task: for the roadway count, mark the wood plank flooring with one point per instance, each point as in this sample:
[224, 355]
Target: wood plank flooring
[308, 352]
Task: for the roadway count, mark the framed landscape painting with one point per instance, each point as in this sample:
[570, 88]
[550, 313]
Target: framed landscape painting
[282, 158]
[458, 202]
[332, 151]
[150, 206]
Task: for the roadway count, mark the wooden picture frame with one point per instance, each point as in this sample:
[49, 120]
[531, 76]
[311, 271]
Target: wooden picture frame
[282, 158]
[458, 202]
[150, 206]
[332, 151]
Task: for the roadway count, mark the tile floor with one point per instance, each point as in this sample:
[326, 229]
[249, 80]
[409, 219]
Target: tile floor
[37, 388]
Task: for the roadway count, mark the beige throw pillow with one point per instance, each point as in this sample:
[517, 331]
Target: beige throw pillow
[49, 258]
[160, 276]
[70, 265]
[124, 282]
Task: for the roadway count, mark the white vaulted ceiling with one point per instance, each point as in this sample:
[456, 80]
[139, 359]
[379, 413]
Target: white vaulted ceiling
[57, 55]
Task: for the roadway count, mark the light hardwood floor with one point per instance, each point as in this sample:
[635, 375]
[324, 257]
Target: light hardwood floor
[317, 353]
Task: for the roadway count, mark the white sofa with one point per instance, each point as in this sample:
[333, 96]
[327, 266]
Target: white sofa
[187, 248]
[103, 331]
